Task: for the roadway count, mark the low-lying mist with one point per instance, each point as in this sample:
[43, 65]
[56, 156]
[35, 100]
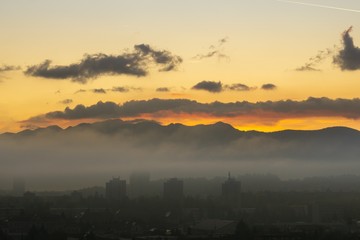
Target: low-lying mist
[91, 154]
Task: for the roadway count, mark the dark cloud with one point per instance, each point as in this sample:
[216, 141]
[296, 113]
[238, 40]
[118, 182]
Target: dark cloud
[348, 58]
[6, 68]
[166, 59]
[163, 89]
[214, 51]
[134, 63]
[66, 101]
[216, 87]
[210, 86]
[99, 110]
[312, 107]
[239, 87]
[99, 90]
[313, 62]
[268, 86]
[120, 89]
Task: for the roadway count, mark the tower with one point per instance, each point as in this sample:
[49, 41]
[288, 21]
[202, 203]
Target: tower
[139, 184]
[231, 192]
[174, 190]
[115, 189]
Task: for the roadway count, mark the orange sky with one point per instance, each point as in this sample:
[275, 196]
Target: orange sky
[264, 41]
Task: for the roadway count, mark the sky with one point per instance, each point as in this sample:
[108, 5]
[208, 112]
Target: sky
[263, 65]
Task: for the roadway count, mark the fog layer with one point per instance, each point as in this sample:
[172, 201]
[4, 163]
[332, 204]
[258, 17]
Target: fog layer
[90, 154]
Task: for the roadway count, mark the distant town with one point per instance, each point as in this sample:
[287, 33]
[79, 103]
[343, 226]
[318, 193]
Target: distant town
[175, 208]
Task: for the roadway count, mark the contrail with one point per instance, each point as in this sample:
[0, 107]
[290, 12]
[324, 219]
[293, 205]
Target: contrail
[321, 6]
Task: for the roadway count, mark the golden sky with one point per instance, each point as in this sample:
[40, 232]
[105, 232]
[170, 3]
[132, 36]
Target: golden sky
[250, 42]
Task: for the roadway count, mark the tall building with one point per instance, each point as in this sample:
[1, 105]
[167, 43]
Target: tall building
[18, 187]
[174, 190]
[115, 189]
[139, 184]
[231, 192]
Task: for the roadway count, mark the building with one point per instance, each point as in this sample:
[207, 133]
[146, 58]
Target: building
[139, 184]
[115, 189]
[18, 187]
[174, 190]
[231, 192]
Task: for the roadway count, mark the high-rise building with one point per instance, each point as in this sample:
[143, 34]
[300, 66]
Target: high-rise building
[18, 187]
[231, 192]
[139, 184]
[115, 189]
[173, 190]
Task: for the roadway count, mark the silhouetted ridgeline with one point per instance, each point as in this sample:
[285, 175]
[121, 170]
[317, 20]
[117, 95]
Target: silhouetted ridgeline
[311, 143]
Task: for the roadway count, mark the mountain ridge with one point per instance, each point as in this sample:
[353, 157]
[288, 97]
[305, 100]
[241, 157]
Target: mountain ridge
[115, 124]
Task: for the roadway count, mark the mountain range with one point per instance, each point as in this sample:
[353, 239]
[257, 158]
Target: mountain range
[218, 133]
[93, 152]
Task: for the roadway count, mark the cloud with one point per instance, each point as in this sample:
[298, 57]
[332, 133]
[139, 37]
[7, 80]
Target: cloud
[99, 90]
[239, 87]
[210, 86]
[348, 58]
[311, 107]
[166, 59]
[125, 89]
[313, 62]
[307, 68]
[268, 86]
[214, 51]
[80, 91]
[100, 110]
[92, 66]
[66, 101]
[120, 89]
[163, 89]
[7, 68]
[216, 87]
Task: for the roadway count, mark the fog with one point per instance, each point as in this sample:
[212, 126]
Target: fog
[54, 159]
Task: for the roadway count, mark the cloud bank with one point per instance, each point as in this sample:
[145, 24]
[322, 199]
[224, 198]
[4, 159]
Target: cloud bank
[275, 110]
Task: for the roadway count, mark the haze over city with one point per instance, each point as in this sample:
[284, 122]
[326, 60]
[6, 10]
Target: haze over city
[158, 119]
